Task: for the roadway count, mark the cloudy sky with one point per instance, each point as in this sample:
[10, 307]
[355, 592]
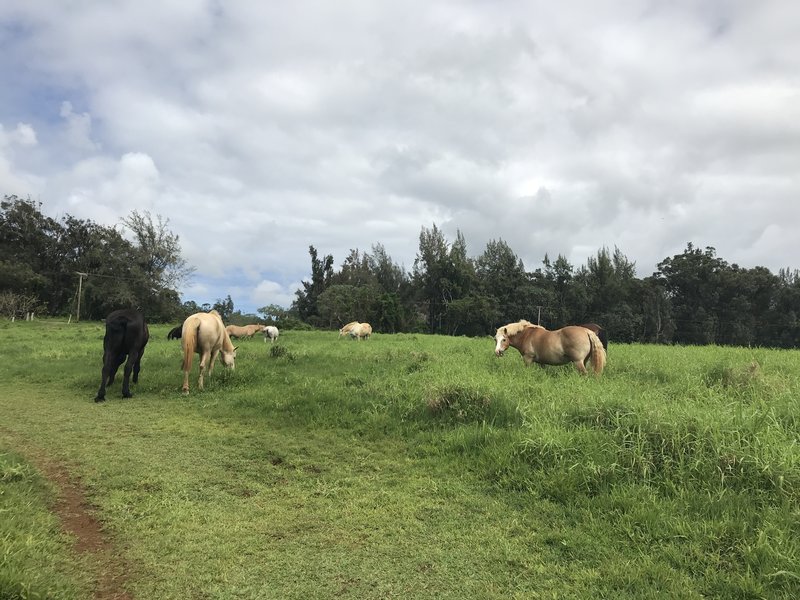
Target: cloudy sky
[259, 128]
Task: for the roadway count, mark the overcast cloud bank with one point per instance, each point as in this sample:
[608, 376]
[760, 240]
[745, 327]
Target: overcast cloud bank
[259, 130]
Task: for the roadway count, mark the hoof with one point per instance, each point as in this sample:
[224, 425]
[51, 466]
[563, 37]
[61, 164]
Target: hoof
[128, 395]
[100, 399]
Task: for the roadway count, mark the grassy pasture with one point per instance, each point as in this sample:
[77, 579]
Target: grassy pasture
[404, 466]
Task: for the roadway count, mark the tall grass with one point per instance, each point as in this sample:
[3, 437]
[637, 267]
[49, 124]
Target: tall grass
[424, 466]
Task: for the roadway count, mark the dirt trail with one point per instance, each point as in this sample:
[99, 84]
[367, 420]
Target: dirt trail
[77, 518]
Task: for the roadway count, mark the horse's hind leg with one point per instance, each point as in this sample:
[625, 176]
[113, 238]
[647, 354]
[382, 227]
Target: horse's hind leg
[115, 363]
[580, 366]
[101, 393]
[133, 362]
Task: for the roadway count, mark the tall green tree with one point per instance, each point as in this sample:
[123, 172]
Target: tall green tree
[609, 280]
[505, 283]
[693, 281]
[305, 304]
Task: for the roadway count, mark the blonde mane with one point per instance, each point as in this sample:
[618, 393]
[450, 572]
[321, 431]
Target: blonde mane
[513, 329]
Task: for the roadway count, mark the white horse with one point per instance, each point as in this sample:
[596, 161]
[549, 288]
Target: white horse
[271, 332]
[361, 331]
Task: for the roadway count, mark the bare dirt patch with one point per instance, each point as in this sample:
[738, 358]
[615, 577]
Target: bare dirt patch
[77, 516]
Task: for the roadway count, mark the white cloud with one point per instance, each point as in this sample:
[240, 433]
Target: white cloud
[271, 292]
[259, 129]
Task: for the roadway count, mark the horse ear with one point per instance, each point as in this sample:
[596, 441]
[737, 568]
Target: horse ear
[505, 330]
[234, 348]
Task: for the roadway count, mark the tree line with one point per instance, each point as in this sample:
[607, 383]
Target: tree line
[694, 297]
[77, 267]
[53, 266]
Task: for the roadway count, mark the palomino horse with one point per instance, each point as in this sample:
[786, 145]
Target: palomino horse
[346, 328]
[243, 332]
[271, 332]
[361, 331]
[126, 335]
[574, 344]
[205, 334]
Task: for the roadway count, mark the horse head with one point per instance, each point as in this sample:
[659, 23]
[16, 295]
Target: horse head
[501, 341]
[228, 358]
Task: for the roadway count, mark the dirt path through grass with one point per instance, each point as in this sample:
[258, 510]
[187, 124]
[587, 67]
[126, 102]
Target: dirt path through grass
[76, 515]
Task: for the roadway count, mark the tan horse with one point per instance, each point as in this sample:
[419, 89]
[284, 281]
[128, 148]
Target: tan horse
[574, 344]
[346, 328]
[247, 331]
[361, 331]
[205, 334]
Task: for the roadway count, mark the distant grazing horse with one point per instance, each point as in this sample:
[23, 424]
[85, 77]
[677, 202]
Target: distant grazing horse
[175, 333]
[243, 332]
[601, 333]
[574, 344]
[361, 331]
[271, 332]
[204, 333]
[346, 328]
[126, 335]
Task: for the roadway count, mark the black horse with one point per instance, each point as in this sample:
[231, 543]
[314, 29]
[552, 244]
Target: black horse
[126, 335]
[175, 333]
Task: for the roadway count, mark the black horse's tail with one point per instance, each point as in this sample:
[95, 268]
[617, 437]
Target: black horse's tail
[115, 332]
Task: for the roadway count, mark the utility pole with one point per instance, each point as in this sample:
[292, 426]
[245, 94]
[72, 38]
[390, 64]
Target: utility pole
[80, 289]
[539, 316]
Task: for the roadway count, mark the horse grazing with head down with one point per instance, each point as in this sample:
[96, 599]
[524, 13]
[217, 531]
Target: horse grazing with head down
[360, 331]
[243, 332]
[126, 335]
[271, 332]
[204, 333]
[574, 344]
[346, 328]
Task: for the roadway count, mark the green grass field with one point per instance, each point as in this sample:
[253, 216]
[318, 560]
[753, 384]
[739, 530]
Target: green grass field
[405, 466]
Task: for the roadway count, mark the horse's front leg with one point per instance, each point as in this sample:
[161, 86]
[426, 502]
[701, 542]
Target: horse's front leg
[203, 361]
[529, 359]
[137, 366]
[126, 376]
[214, 354]
[131, 365]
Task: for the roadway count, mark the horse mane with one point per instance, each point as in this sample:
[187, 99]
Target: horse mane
[513, 329]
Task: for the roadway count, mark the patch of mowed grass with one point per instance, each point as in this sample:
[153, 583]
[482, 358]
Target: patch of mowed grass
[396, 465]
[35, 555]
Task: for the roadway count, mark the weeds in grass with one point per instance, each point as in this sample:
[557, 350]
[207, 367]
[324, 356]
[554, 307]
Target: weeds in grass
[280, 351]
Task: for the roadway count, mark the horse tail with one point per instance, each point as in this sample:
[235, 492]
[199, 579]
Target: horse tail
[603, 337]
[189, 341]
[597, 353]
[117, 325]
